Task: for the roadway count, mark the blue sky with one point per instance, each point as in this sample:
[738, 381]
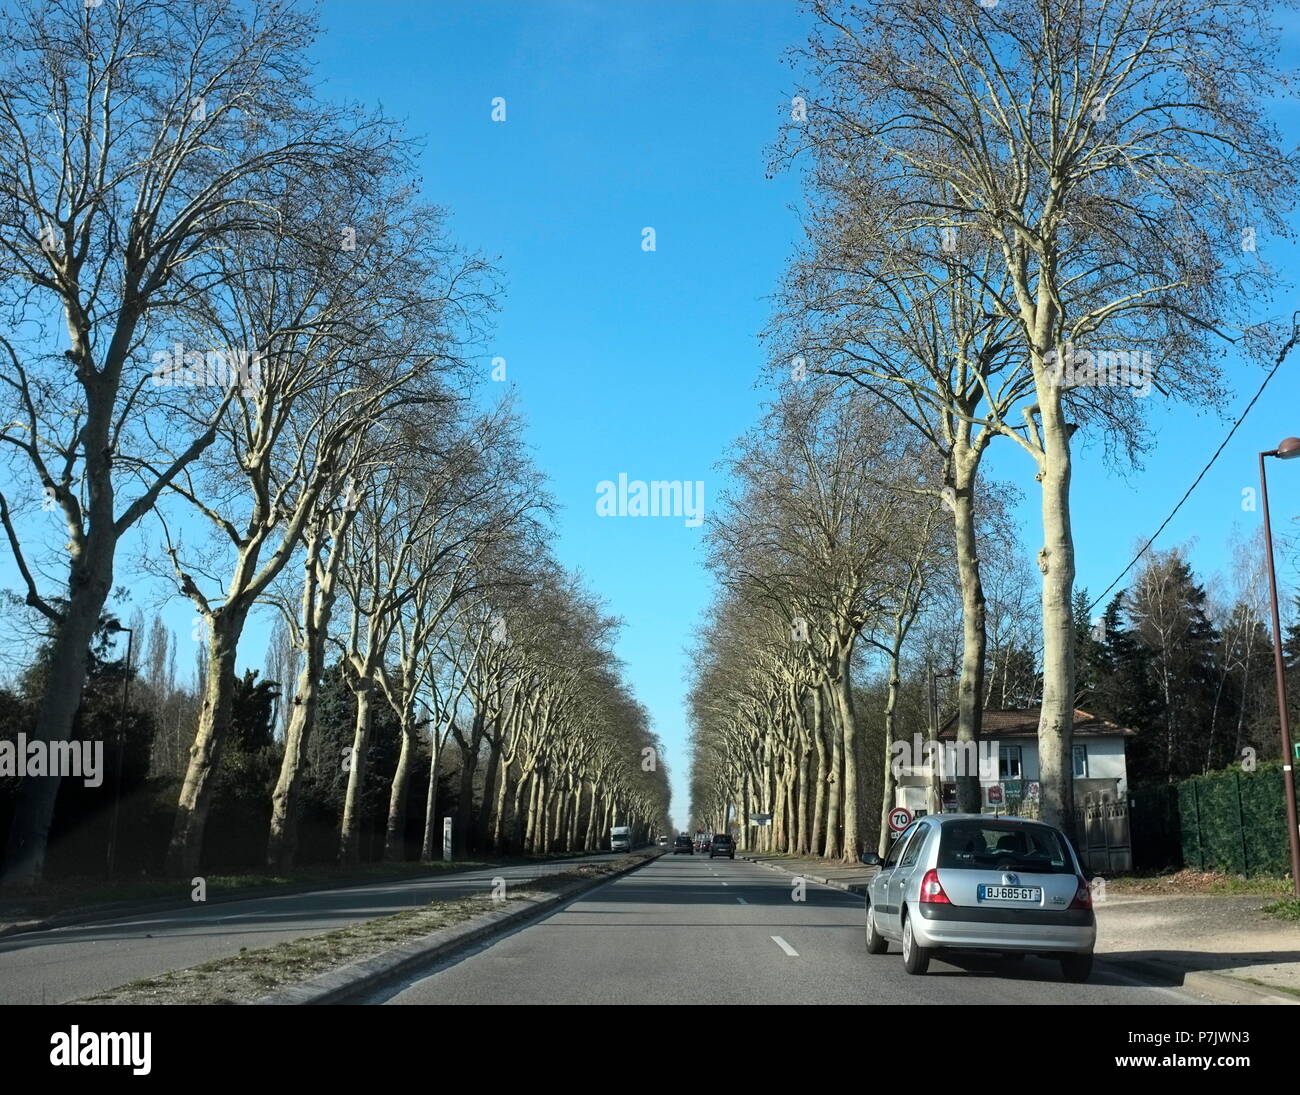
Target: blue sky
[626, 115]
[619, 116]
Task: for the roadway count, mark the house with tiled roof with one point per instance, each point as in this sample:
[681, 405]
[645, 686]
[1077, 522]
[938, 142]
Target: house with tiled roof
[1098, 758]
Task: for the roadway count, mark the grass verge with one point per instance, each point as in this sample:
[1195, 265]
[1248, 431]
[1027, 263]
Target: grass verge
[1288, 908]
[254, 973]
[1199, 883]
[1270, 986]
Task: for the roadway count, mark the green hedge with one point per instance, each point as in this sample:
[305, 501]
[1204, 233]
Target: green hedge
[1235, 822]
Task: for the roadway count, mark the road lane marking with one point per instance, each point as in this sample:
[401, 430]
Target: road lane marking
[742, 901]
[724, 883]
[785, 946]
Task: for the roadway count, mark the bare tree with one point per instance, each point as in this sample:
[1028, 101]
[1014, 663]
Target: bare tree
[138, 140]
[1117, 158]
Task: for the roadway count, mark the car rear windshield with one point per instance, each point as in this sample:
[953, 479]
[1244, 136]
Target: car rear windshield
[991, 845]
[722, 839]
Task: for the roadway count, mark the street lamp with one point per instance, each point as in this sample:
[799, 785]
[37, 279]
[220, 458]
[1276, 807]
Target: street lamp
[114, 626]
[1287, 450]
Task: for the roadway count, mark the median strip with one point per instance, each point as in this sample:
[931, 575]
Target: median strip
[340, 964]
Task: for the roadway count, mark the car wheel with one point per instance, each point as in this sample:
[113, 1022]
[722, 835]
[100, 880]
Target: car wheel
[1076, 967]
[876, 943]
[916, 959]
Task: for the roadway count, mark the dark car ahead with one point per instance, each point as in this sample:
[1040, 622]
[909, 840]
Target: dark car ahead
[722, 844]
[683, 844]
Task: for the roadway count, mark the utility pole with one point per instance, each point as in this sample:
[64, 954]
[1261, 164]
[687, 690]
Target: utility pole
[1287, 450]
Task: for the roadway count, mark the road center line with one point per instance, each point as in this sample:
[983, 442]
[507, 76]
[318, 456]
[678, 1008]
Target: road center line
[785, 946]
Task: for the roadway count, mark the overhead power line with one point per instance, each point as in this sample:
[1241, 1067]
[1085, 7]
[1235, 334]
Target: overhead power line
[1295, 336]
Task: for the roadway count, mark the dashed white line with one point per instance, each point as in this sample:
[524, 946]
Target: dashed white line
[785, 946]
[742, 901]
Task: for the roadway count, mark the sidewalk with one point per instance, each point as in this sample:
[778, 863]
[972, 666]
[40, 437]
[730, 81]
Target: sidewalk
[1221, 947]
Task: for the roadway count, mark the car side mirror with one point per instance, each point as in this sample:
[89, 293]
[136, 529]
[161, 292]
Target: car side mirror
[872, 860]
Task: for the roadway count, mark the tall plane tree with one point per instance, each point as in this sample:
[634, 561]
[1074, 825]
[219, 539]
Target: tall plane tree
[138, 140]
[1118, 159]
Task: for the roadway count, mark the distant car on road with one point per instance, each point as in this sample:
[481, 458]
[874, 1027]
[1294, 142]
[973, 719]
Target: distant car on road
[722, 844]
[973, 882]
[662, 842]
[683, 844]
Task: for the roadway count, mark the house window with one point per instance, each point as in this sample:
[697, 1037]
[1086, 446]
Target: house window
[1080, 762]
[1009, 762]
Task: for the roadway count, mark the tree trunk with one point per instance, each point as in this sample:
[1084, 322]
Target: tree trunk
[186, 848]
[843, 687]
[831, 849]
[350, 830]
[891, 709]
[821, 792]
[65, 678]
[485, 820]
[1056, 561]
[317, 609]
[970, 695]
[499, 810]
[395, 831]
[589, 843]
[428, 845]
[463, 827]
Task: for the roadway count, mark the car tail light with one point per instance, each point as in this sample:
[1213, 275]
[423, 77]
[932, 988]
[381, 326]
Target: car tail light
[1082, 896]
[932, 889]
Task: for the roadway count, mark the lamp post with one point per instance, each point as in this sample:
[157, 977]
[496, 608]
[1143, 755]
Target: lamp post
[1287, 450]
[113, 625]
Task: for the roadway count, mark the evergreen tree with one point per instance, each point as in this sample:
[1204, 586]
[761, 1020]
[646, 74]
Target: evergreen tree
[1167, 614]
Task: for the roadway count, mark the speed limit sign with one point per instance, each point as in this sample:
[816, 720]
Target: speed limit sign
[899, 818]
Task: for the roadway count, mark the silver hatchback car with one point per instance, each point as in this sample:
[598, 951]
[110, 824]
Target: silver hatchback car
[974, 882]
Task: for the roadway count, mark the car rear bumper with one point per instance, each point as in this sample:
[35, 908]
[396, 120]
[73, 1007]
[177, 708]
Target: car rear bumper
[1073, 930]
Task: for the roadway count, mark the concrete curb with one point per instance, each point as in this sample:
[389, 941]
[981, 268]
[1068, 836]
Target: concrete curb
[1220, 987]
[116, 909]
[347, 982]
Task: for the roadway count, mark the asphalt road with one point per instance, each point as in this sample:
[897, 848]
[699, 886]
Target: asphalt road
[63, 964]
[689, 930]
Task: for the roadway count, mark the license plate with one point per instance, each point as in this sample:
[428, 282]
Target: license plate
[1009, 893]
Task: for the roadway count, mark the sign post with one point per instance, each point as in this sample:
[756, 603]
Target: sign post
[446, 839]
